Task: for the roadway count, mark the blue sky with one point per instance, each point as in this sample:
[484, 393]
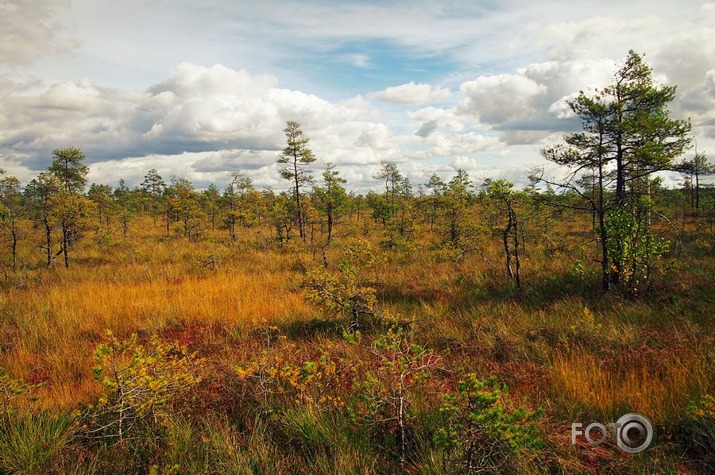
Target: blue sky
[201, 89]
[364, 66]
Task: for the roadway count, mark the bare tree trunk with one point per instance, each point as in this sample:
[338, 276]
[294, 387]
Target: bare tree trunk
[507, 250]
[697, 189]
[605, 268]
[516, 251]
[15, 239]
[301, 226]
[65, 242]
[48, 240]
[402, 422]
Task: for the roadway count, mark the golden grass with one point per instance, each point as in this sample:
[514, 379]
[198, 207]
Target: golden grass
[146, 284]
[50, 329]
[657, 388]
[227, 297]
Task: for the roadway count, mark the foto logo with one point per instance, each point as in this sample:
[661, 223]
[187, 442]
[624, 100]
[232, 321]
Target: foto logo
[632, 433]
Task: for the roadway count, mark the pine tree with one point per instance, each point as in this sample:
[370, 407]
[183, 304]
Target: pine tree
[296, 156]
[68, 167]
[626, 127]
[153, 187]
[331, 198]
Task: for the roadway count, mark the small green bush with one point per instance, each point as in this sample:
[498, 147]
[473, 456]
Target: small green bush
[481, 433]
[140, 384]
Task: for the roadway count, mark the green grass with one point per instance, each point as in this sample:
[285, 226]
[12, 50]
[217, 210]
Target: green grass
[33, 443]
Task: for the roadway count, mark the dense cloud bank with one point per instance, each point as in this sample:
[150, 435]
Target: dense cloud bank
[202, 122]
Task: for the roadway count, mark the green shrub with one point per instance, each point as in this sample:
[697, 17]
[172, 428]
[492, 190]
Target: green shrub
[481, 433]
[140, 383]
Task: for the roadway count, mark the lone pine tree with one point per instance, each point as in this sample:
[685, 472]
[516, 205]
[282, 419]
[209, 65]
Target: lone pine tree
[295, 157]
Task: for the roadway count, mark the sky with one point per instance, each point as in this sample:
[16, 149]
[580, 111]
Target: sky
[199, 90]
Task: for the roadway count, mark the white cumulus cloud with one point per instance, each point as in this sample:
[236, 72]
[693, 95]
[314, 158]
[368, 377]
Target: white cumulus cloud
[501, 98]
[412, 93]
